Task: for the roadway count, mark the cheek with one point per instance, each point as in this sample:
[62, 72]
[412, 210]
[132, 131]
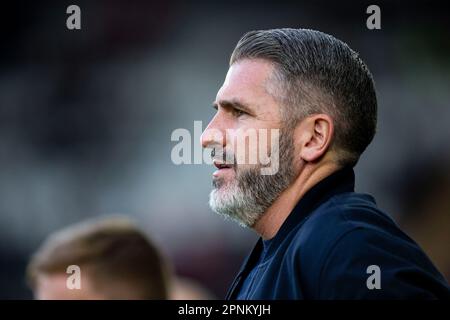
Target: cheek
[252, 146]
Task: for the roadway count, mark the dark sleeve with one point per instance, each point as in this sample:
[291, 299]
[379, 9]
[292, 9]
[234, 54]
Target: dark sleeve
[371, 264]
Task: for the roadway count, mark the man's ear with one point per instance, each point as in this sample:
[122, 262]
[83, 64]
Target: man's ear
[314, 136]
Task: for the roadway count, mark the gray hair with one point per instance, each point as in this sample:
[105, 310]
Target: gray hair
[317, 73]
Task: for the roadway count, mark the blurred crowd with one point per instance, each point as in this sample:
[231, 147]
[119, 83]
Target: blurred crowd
[86, 118]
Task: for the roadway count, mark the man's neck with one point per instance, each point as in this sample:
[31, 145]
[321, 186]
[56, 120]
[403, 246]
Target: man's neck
[272, 220]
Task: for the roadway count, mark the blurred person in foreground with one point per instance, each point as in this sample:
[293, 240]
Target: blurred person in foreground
[319, 239]
[116, 261]
[183, 288]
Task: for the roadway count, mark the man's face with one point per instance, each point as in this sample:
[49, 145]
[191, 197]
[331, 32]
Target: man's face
[54, 287]
[244, 107]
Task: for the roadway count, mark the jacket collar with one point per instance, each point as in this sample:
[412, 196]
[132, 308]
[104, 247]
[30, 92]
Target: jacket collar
[338, 182]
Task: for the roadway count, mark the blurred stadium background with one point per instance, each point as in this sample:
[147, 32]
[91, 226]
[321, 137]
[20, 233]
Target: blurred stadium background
[86, 118]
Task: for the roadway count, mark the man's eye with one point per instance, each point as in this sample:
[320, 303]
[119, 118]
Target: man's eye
[238, 113]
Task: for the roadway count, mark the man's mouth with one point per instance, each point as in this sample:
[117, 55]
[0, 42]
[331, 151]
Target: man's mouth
[221, 167]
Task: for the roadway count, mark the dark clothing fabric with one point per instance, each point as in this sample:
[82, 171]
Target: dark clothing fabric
[336, 244]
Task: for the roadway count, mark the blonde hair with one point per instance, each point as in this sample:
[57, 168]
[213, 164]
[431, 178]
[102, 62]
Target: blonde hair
[115, 253]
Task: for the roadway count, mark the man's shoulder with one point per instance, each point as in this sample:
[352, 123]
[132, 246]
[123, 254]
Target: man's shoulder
[329, 225]
[343, 237]
[339, 216]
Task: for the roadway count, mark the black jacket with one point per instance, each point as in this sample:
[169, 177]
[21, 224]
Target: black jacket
[332, 246]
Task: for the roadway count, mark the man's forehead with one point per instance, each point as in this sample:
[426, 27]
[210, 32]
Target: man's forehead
[245, 78]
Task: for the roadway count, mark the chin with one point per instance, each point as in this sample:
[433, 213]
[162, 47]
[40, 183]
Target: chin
[231, 204]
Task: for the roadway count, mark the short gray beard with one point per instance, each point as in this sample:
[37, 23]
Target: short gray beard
[248, 197]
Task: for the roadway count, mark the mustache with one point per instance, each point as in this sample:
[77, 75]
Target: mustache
[222, 156]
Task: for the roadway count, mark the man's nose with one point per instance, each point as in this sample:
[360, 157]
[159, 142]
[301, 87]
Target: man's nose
[214, 135]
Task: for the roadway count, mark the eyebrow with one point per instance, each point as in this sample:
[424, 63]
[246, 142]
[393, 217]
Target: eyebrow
[235, 104]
